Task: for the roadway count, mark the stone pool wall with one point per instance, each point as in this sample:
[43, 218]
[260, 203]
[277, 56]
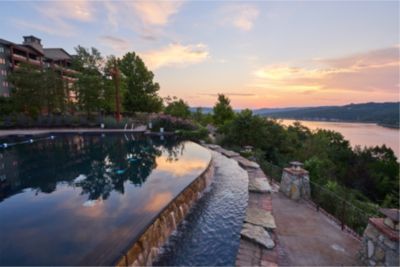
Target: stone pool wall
[144, 251]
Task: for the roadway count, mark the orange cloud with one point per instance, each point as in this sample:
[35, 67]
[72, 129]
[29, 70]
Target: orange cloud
[158, 201]
[176, 55]
[156, 12]
[180, 167]
[371, 71]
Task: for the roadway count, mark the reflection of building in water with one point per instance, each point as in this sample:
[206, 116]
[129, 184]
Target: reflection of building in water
[9, 172]
[106, 163]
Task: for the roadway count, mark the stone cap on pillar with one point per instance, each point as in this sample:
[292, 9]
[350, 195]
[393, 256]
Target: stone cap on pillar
[393, 214]
[384, 229]
[296, 164]
[296, 168]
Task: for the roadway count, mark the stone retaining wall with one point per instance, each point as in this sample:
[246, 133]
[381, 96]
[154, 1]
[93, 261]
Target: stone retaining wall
[145, 249]
[380, 246]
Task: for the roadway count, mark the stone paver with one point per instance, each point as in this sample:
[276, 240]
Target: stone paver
[310, 238]
[251, 253]
[261, 217]
[258, 234]
[259, 185]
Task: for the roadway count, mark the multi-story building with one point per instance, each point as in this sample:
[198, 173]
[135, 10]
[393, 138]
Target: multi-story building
[32, 52]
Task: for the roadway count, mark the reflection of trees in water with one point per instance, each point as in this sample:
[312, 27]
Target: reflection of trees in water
[107, 164]
[173, 149]
[121, 161]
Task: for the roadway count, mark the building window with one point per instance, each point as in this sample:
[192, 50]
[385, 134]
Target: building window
[5, 84]
[2, 61]
[1, 49]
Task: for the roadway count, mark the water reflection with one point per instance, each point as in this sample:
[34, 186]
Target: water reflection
[80, 199]
[96, 165]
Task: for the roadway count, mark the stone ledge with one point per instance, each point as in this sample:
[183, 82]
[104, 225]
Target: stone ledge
[259, 185]
[260, 217]
[381, 226]
[257, 234]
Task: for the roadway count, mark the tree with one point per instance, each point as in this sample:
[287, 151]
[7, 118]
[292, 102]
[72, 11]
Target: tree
[87, 60]
[177, 107]
[141, 90]
[37, 91]
[54, 93]
[26, 91]
[93, 87]
[223, 111]
[6, 106]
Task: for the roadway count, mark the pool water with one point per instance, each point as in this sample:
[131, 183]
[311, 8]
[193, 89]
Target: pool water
[210, 234]
[80, 199]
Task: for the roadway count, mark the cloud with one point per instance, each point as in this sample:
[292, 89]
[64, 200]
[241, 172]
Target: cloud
[62, 29]
[155, 12]
[240, 16]
[228, 94]
[158, 201]
[112, 14]
[80, 10]
[57, 16]
[176, 55]
[364, 72]
[119, 45]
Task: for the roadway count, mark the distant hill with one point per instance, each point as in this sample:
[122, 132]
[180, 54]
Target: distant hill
[204, 110]
[385, 114]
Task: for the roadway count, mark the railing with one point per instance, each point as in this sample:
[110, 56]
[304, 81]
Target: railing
[272, 171]
[346, 214]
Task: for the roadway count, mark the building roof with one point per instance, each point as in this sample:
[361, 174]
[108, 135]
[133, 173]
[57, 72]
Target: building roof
[56, 54]
[30, 49]
[31, 36]
[2, 41]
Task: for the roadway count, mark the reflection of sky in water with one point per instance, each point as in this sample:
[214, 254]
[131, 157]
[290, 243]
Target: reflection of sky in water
[89, 209]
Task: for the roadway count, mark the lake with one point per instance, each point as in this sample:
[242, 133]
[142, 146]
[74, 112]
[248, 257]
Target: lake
[363, 134]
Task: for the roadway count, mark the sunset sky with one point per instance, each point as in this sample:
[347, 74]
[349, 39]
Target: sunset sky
[259, 53]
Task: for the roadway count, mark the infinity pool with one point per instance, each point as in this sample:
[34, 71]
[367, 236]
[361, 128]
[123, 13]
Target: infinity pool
[79, 199]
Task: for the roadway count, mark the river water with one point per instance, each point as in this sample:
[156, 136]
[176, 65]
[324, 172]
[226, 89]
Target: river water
[362, 134]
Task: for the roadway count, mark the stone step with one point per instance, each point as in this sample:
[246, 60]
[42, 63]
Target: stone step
[247, 164]
[228, 153]
[260, 217]
[259, 185]
[258, 235]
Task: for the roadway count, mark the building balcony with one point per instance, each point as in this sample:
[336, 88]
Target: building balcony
[21, 58]
[64, 70]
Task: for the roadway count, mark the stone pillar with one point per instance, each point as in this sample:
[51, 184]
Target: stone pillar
[380, 244]
[295, 182]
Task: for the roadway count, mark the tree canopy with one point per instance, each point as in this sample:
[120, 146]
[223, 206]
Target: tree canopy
[140, 89]
[222, 110]
[37, 91]
[177, 107]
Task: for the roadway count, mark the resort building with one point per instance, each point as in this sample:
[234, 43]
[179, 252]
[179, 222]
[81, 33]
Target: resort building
[31, 51]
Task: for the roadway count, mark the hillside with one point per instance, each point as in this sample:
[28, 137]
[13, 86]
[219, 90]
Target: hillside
[385, 114]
